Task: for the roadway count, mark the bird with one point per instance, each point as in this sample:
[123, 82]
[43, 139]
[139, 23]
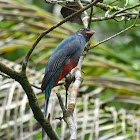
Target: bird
[64, 58]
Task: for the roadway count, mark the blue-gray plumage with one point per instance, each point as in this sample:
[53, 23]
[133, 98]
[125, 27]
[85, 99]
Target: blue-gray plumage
[64, 58]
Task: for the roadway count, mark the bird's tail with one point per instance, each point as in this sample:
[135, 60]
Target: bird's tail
[47, 96]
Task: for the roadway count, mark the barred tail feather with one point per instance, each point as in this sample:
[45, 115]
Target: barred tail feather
[46, 107]
[47, 96]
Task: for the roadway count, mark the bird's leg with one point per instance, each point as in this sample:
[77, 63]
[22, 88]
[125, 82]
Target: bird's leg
[68, 80]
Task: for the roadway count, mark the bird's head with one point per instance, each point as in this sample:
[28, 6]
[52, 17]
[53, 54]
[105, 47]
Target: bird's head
[86, 33]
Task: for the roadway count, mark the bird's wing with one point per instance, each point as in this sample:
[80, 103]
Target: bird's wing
[51, 72]
[58, 60]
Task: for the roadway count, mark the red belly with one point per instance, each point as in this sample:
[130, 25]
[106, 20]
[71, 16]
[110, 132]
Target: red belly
[66, 69]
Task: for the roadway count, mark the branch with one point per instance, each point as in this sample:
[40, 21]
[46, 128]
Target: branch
[24, 65]
[68, 118]
[68, 113]
[85, 19]
[78, 80]
[10, 72]
[105, 7]
[3, 75]
[90, 17]
[107, 39]
[22, 79]
[117, 14]
[37, 87]
[123, 10]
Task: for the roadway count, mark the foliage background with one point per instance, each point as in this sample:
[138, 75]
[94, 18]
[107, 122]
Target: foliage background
[108, 100]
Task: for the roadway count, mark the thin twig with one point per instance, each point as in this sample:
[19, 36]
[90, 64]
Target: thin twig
[35, 86]
[61, 102]
[129, 15]
[117, 14]
[123, 10]
[85, 19]
[3, 75]
[109, 38]
[90, 17]
[80, 4]
[24, 65]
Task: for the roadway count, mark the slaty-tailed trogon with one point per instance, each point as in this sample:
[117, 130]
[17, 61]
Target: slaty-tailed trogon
[64, 58]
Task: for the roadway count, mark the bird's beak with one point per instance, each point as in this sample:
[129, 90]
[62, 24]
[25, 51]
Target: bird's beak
[90, 32]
